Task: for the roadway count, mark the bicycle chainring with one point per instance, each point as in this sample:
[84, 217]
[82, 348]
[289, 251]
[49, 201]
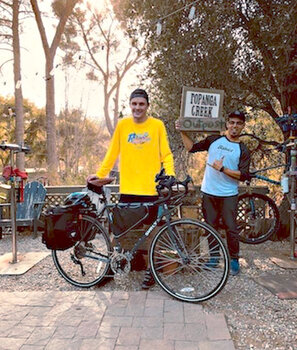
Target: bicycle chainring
[120, 264]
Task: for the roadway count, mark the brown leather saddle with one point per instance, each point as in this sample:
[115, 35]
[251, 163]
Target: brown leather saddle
[97, 184]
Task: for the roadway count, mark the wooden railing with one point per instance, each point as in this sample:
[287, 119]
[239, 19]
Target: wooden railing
[191, 207]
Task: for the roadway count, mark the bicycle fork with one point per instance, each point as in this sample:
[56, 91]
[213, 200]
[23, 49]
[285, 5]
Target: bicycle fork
[173, 235]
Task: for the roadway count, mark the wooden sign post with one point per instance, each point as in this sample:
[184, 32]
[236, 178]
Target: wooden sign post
[201, 110]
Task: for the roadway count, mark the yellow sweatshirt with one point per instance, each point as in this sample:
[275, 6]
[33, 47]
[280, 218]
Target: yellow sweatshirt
[142, 149]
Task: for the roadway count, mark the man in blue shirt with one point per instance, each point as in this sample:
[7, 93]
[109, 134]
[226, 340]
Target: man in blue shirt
[227, 164]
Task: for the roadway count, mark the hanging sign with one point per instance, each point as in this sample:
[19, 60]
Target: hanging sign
[201, 110]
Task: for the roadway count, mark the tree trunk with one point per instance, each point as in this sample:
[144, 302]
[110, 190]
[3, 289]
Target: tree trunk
[50, 52]
[19, 110]
[106, 113]
[51, 144]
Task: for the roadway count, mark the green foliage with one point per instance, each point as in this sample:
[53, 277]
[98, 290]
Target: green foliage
[34, 137]
[246, 48]
[81, 143]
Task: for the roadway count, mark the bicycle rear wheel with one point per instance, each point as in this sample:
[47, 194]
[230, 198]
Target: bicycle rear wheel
[257, 218]
[189, 261]
[87, 263]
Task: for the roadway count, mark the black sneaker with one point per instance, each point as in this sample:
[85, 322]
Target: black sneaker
[148, 280]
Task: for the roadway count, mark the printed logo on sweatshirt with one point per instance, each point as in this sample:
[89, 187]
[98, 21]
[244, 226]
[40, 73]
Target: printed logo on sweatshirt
[137, 139]
[224, 148]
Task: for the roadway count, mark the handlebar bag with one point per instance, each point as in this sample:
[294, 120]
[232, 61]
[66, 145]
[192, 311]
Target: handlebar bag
[128, 218]
[61, 228]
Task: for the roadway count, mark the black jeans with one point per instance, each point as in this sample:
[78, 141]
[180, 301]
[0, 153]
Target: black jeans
[215, 208]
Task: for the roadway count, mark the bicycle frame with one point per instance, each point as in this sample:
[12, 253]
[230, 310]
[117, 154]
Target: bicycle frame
[166, 212]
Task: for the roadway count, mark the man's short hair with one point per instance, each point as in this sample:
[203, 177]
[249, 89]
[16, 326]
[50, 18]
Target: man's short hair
[139, 93]
[237, 114]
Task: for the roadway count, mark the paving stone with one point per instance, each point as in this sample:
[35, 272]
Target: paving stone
[87, 329]
[36, 321]
[134, 310]
[108, 332]
[174, 331]
[102, 344]
[108, 320]
[124, 321]
[154, 308]
[86, 303]
[195, 332]
[129, 336]
[194, 313]
[114, 310]
[67, 321]
[158, 295]
[11, 343]
[14, 298]
[155, 303]
[146, 344]
[104, 297]
[65, 332]
[39, 310]
[76, 311]
[153, 311]
[120, 295]
[59, 308]
[6, 327]
[173, 313]
[217, 322]
[40, 335]
[14, 314]
[137, 297]
[20, 331]
[63, 344]
[217, 345]
[147, 322]
[186, 345]
[152, 332]
[41, 299]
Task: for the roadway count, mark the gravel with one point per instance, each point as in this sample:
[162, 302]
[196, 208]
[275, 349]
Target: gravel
[257, 319]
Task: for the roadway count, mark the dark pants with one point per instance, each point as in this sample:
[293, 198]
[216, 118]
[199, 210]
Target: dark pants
[153, 212]
[215, 208]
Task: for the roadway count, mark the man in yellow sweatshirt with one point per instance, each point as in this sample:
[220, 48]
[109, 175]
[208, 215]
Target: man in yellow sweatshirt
[141, 143]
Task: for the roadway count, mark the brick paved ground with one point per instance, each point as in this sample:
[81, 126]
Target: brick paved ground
[107, 320]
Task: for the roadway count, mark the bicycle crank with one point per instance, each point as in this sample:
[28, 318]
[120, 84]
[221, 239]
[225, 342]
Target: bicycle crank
[120, 264]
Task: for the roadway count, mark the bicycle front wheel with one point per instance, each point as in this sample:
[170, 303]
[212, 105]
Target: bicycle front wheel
[257, 218]
[87, 263]
[189, 260]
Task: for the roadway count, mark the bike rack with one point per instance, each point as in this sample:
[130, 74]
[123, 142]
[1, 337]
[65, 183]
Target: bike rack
[292, 173]
[13, 148]
[287, 123]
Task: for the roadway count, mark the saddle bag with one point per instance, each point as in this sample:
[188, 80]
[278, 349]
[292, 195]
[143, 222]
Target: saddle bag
[61, 228]
[125, 218]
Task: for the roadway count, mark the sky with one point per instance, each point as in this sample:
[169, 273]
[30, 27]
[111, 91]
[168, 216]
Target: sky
[82, 93]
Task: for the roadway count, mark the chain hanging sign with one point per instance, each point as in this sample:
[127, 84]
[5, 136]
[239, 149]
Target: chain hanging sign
[201, 110]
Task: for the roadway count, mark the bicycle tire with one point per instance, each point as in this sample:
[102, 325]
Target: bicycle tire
[258, 218]
[96, 243]
[191, 279]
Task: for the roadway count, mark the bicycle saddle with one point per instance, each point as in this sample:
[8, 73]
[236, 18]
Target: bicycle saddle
[97, 184]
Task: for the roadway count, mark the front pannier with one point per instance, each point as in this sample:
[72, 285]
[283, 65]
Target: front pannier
[61, 228]
[125, 218]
